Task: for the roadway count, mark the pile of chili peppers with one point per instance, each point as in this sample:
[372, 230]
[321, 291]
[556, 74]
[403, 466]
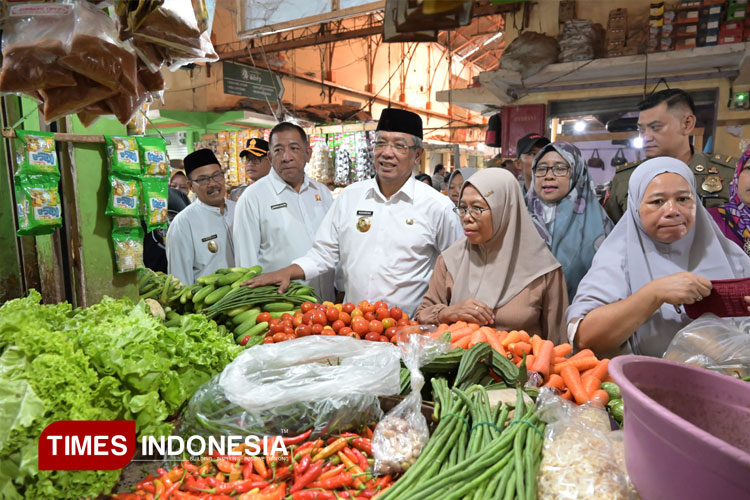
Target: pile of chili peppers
[339, 468]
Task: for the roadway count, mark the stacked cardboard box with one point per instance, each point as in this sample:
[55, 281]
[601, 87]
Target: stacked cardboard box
[617, 32]
[655, 26]
[711, 14]
[686, 24]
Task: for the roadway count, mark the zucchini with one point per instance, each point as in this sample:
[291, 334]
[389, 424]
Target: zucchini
[203, 293]
[279, 314]
[248, 326]
[244, 316]
[245, 277]
[217, 294]
[228, 279]
[278, 307]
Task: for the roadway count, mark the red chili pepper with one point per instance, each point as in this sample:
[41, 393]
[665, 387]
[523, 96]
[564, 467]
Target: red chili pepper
[302, 466]
[363, 444]
[161, 471]
[224, 466]
[368, 493]
[333, 471]
[189, 467]
[298, 438]
[368, 430]
[313, 495]
[283, 473]
[383, 481]
[348, 435]
[247, 470]
[148, 487]
[260, 467]
[311, 475]
[343, 479]
[174, 487]
[364, 465]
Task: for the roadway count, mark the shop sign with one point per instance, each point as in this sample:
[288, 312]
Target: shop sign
[255, 83]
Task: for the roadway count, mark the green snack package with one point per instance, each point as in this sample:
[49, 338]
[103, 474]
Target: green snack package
[122, 154]
[128, 244]
[38, 205]
[122, 222]
[153, 152]
[123, 196]
[155, 196]
[39, 155]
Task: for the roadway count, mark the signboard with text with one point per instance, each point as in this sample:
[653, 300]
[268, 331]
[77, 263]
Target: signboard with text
[255, 83]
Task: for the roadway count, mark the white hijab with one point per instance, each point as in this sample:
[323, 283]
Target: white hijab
[628, 259]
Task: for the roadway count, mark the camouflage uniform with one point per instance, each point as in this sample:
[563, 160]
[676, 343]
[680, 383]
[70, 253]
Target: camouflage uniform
[713, 174]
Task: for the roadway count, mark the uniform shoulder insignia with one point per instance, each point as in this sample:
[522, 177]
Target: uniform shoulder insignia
[723, 160]
[626, 166]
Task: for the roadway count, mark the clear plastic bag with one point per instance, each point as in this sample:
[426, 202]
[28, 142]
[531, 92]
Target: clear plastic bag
[329, 383]
[582, 457]
[399, 438]
[719, 344]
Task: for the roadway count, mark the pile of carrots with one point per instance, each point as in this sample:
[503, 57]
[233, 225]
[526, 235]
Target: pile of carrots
[577, 378]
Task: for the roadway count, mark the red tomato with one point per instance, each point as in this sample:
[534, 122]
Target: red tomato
[369, 316]
[268, 340]
[383, 338]
[388, 323]
[380, 305]
[303, 330]
[245, 340]
[290, 336]
[337, 325]
[320, 318]
[347, 331]
[264, 317]
[376, 326]
[297, 319]
[348, 307]
[328, 331]
[275, 329]
[396, 313]
[285, 323]
[402, 322]
[355, 336]
[317, 329]
[289, 330]
[332, 314]
[279, 337]
[306, 306]
[287, 317]
[368, 307]
[345, 318]
[363, 305]
[382, 313]
[372, 336]
[274, 321]
[360, 326]
[389, 332]
[308, 317]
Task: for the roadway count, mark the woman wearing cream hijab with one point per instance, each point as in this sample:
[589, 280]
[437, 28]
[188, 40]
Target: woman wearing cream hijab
[501, 274]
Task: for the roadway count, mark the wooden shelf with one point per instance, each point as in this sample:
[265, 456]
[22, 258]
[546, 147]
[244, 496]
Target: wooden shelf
[89, 138]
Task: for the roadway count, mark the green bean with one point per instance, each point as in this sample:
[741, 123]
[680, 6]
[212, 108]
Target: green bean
[510, 489]
[504, 477]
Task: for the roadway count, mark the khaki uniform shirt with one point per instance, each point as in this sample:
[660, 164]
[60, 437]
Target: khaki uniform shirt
[713, 174]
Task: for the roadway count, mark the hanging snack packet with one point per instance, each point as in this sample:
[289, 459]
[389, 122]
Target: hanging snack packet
[123, 197]
[124, 222]
[38, 205]
[155, 194]
[154, 156]
[128, 245]
[39, 154]
[122, 153]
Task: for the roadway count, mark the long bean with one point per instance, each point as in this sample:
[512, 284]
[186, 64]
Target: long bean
[503, 483]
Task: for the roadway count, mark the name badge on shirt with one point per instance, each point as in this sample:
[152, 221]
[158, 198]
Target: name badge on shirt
[278, 206]
[364, 213]
[209, 238]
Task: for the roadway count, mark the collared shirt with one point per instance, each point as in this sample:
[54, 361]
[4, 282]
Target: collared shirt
[387, 248]
[192, 235]
[275, 225]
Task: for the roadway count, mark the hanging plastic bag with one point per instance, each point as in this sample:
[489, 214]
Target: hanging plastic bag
[153, 152]
[329, 383]
[399, 438]
[123, 155]
[155, 192]
[62, 101]
[38, 204]
[39, 154]
[719, 344]
[124, 197]
[128, 247]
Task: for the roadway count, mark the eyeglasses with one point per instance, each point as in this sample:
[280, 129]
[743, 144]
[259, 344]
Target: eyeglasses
[475, 212]
[399, 148]
[204, 180]
[558, 170]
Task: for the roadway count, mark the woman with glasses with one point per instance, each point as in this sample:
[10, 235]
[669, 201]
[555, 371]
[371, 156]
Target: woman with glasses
[501, 273]
[566, 210]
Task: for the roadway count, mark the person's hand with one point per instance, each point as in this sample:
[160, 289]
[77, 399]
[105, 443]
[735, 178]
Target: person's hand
[681, 288]
[470, 310]
[282, 277]
[747, 301]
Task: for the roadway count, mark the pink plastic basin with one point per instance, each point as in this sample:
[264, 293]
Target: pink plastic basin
[687, 430]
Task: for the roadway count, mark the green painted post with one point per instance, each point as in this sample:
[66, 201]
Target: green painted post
[11, 282]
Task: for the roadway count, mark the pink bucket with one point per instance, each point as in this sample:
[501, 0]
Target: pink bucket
[687, 430]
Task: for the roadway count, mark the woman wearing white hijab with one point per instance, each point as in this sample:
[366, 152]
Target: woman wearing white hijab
[456, 180]
[502, 273]
[664, 252]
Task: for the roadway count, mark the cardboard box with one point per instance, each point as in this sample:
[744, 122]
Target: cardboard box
[684, 30]
[711, 10]
[736, 13]
[709, 24]
[689, 4]
[687, 16]
[686, 43]
[713, 2]
[618, 45]
[705, 40]
[618, 19]
[731, 32]
[616, 35]
[729, 39]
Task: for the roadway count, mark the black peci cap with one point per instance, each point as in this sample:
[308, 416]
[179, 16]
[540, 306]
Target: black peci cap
[400, 120]
[198, 159]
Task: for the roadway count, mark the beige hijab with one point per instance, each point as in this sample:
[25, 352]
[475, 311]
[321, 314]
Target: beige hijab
[516, 255]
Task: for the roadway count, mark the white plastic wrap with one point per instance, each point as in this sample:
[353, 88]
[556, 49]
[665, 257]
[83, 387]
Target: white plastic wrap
[399, 438]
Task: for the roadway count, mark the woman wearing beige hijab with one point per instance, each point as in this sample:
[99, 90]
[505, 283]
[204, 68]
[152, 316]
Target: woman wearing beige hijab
[501, 274]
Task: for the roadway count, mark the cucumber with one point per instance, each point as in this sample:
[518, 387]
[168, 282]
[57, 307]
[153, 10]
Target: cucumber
[279, 314]
[247, 326]
[228, 279]
[237, 311]
[278, 306]
[252, 273]
[612, 389]
[241, 270]
[208, 280]
[217, 294]
[203, 293]
[242, 317]
[257, 329]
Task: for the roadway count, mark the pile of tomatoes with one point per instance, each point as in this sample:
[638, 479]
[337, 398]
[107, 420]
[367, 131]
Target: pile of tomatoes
[375, 322]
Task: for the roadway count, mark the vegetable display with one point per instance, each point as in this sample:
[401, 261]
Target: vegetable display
[110, 361]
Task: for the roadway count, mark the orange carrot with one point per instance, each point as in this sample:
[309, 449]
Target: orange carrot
[457, 335]
[459, 324]
[567, 395]
[442, 327]
[473, 326]
[501, 334]
[544, 358]
[555, 381]
[559, 359]
[563, 349]
[492, 339]
[581, 364]
[536, 344]
[476, 337]
[519, 348]
[519, 359]
[601, 370]
[572, 380]
[591, 384]
[463, 342]
[600, 397]
[513, 336]
[525, 336]
[582, 354]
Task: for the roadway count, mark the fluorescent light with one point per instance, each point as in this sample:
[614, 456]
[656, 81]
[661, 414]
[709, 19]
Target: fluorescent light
[579, 126]
[637, 142]
[467, 54]
[493, 38]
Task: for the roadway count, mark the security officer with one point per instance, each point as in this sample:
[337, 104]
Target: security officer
[257, 165]
[666, 120]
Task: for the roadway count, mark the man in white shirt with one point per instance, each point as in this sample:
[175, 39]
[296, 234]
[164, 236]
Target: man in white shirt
[277, 216]
[199, 239]
[385, 232]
